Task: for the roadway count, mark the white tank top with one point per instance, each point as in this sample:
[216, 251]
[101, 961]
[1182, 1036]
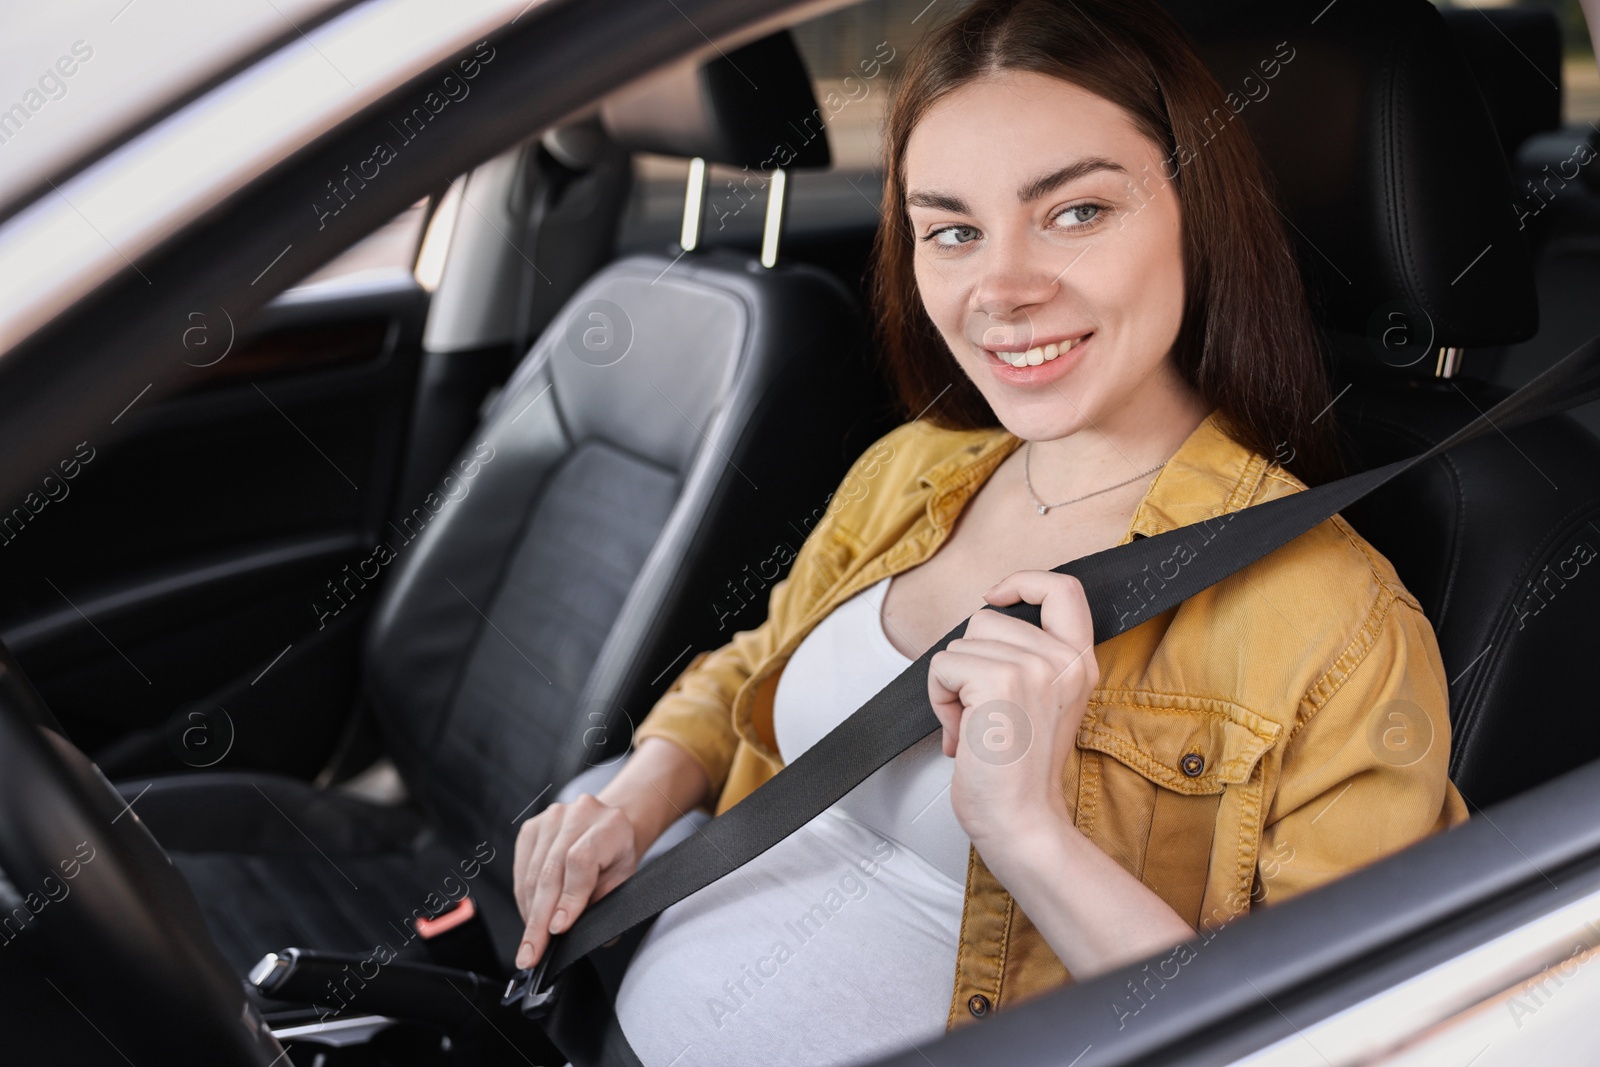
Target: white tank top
[838, 944]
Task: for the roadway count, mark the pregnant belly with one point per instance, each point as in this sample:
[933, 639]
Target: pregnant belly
[835, 946]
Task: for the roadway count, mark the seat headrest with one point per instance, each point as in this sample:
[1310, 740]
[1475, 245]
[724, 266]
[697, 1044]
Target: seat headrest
[753, 107]
[1387, 163]
[1515, 56]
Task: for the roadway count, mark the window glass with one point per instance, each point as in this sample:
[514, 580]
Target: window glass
[389, 249]
[850, 53]
[74, 73]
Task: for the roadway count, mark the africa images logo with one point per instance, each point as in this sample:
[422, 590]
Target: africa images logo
[451, 89]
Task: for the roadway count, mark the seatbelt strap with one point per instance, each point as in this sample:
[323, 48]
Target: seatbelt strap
[1121, 595]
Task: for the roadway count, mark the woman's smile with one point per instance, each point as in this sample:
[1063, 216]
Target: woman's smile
[1038, 364]
[1055, 278]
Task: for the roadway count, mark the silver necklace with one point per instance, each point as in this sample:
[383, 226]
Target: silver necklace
[1043, 507]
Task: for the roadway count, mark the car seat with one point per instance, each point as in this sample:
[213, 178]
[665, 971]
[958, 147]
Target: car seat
[1392, 176]
[683, 414]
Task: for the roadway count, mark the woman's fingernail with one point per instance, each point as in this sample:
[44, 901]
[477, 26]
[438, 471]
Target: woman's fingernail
[525, 955]
[558, 922]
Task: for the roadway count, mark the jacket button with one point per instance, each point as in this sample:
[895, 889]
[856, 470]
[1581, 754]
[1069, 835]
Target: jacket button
[978, 1005]
[1193, 764]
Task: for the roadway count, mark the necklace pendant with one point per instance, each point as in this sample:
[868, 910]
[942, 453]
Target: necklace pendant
[1043, 508]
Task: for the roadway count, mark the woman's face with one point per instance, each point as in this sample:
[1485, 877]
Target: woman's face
[1041, 218]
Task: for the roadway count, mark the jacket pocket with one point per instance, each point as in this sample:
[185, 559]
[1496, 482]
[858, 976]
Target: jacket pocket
[1155, 771]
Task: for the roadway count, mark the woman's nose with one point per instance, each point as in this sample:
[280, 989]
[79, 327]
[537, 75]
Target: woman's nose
[1016, 277]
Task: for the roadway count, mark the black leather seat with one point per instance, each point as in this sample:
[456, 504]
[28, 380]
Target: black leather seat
[1514, 54]
[1393, 177]
[1516, 57]
[679, 417]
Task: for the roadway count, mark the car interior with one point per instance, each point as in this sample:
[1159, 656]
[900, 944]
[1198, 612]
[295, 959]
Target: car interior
[404, 558]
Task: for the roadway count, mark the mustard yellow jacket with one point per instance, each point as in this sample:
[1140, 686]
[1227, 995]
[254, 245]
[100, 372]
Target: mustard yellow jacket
[1282, 728]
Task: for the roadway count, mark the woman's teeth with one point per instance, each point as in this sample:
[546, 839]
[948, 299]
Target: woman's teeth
[1035, 356]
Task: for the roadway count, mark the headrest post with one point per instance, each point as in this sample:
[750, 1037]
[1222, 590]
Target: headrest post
[772, 232]
[1449, 362]
[694, 205]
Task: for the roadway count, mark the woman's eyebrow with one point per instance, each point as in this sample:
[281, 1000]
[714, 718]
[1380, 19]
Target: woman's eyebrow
[1029, 192]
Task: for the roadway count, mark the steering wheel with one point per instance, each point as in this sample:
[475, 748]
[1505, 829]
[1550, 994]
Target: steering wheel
[91, 904]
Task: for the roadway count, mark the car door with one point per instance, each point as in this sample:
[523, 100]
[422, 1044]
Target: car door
[179, 585]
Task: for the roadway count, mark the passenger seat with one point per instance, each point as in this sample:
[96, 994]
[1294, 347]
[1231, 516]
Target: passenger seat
[684, 413]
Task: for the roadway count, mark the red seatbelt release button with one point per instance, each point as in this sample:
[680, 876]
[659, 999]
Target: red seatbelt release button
[445, 921]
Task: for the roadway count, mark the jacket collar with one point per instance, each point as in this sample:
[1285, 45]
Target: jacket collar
[1209, 475]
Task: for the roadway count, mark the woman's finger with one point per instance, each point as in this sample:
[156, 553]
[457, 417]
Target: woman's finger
[584, 860]
[527, 840]
[1019, 647]
[944, 695]
[1030, 650]
[607, 840]
[1063, 608]
[526, 885]
[548, 875]
[958, 680]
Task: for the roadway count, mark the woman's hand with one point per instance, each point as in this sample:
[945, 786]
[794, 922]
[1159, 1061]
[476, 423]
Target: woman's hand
[567, 856]
[570, 855]
[1010, 696]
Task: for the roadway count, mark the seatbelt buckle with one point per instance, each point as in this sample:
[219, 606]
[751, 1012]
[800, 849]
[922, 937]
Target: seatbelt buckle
[531, 990]
[460, 939]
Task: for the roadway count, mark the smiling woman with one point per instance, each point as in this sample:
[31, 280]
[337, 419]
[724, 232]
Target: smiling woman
[1080, 257]
[1187, 199]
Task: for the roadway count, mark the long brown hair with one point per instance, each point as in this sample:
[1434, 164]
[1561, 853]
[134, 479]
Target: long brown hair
[1247, 343]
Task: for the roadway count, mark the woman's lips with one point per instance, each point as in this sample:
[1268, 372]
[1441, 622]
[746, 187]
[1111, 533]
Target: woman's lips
[1047, 369]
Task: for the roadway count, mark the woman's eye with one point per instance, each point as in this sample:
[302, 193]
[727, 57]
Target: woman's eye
[952, 236]
[1079, 215]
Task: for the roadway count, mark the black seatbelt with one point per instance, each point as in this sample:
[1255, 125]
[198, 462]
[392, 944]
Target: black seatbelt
[1121, 592]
